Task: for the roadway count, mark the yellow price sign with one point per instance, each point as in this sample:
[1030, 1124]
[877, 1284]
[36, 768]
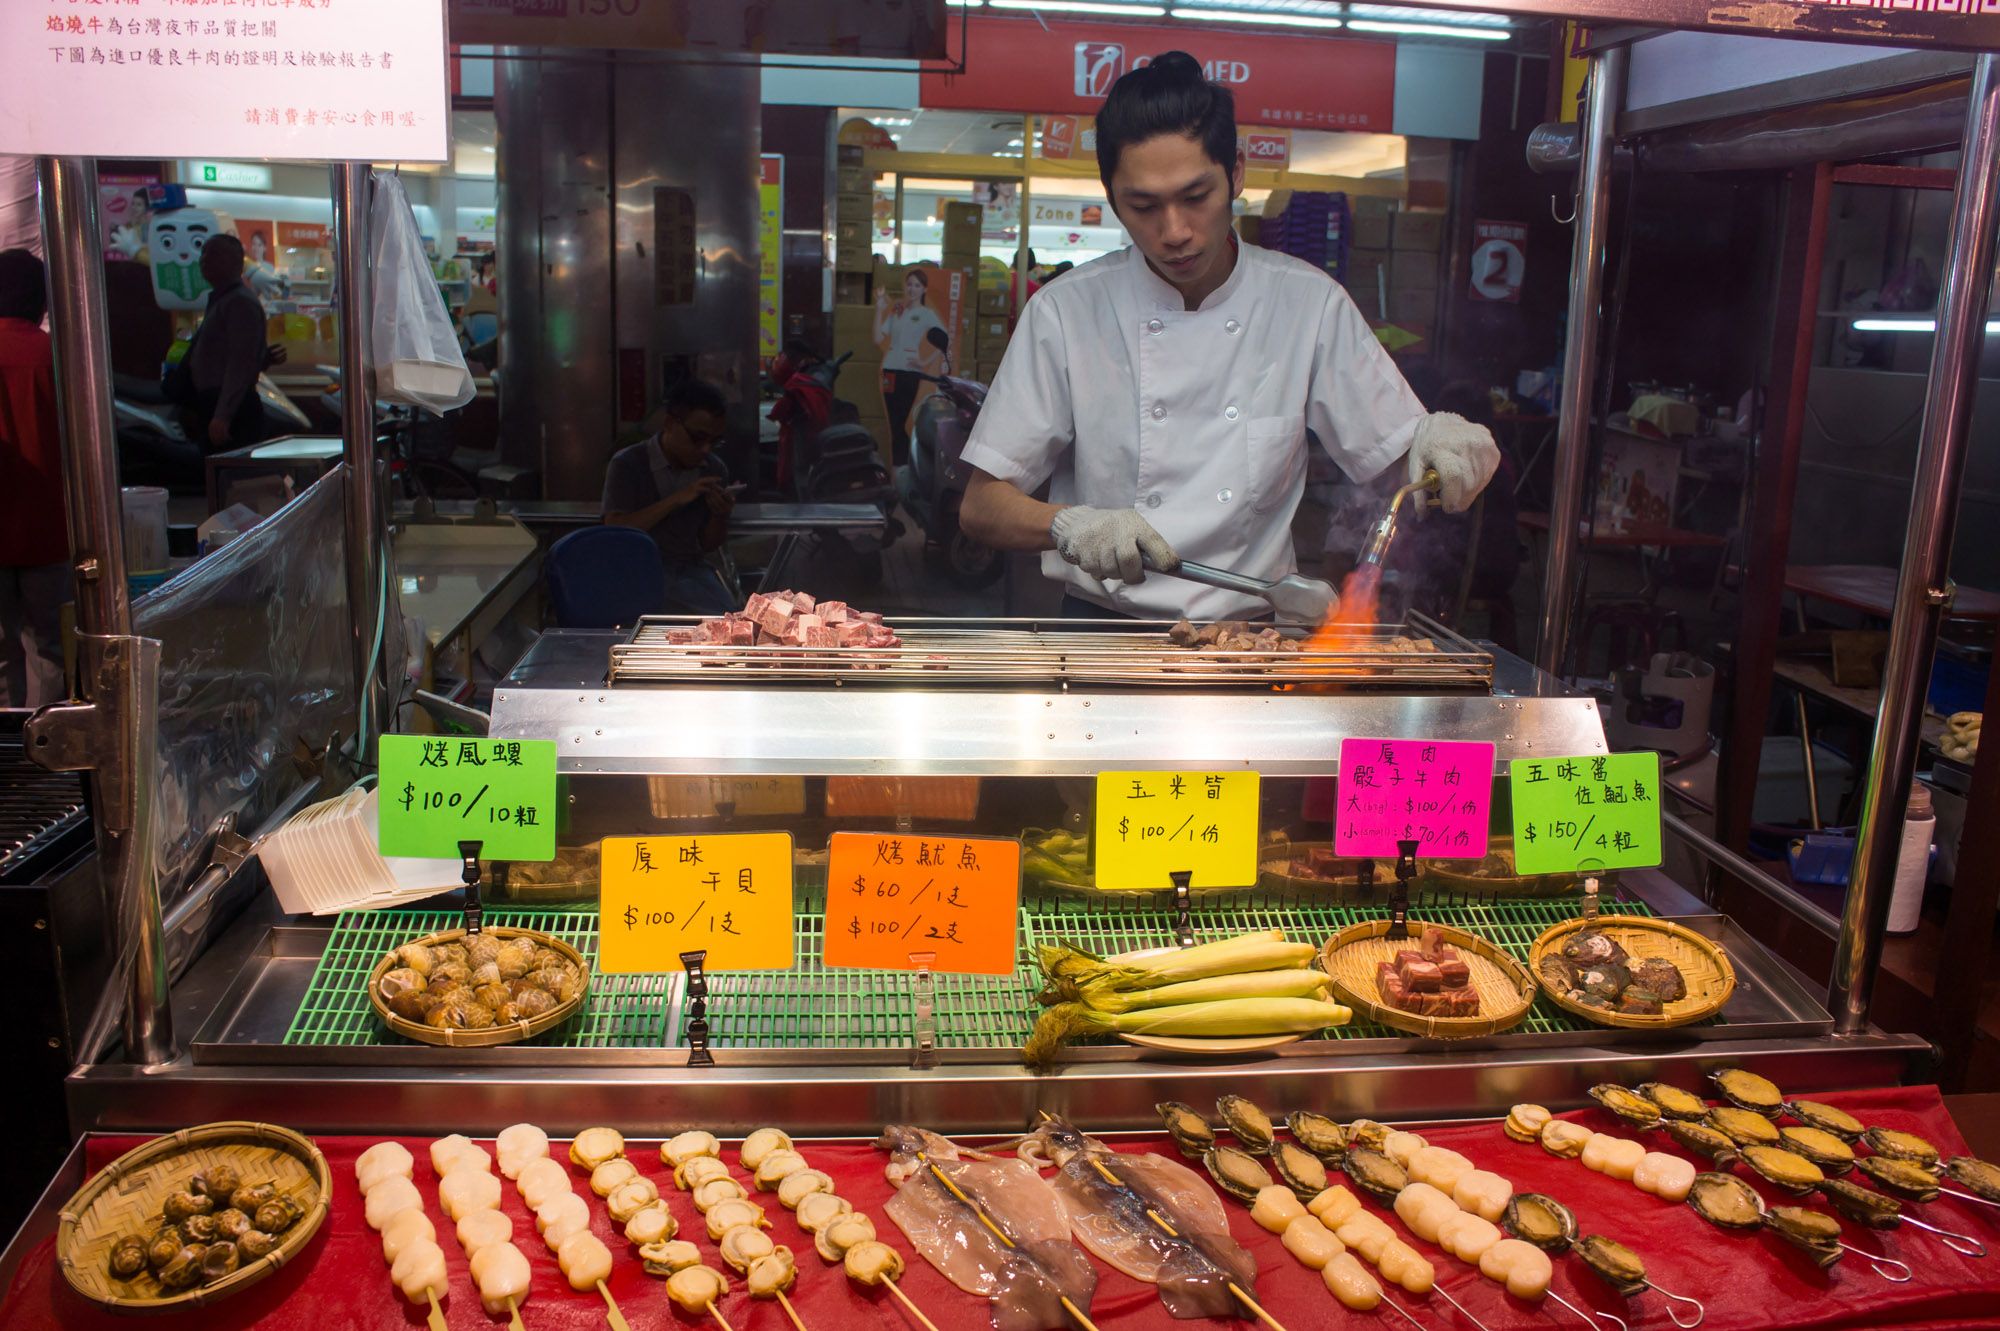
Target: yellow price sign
[660, 896]
[1152, 825]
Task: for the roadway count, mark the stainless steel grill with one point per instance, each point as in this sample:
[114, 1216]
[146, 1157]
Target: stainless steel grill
[40, 810]
[1420, 654]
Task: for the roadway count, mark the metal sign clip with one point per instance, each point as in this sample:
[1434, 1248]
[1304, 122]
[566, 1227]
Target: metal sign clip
[1183, 908]
[475, 909]
[1399, 902]
[923, 988]
[697, 1009]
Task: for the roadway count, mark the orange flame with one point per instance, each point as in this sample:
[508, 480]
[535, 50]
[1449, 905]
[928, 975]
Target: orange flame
[1345, 629]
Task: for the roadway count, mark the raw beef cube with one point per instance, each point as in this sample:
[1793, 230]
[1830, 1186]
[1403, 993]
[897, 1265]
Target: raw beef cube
[777, 615]
[1385, 975]
[807, 622]
[754, 607]
[803, 601]
[713, 630]
[742, 633]
[1323, 860]
[853, 633]
[833, 612]
[822, 635]
[883, 638]
[1457, 974]
[1433, 940]
[1423, 977]
[680, 637]
[867, 616]
[1458, 1003]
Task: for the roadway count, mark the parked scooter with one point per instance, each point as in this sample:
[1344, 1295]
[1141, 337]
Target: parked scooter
[932, 485]
[831, 458]
[153, 445]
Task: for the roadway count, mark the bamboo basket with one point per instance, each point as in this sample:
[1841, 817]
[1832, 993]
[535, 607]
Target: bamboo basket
[456, 1038]
[1506, 990]
[127, 1196]
[1710, 978]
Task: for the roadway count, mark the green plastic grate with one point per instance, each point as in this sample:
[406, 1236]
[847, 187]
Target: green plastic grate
[811, 1007]
[620, 1012]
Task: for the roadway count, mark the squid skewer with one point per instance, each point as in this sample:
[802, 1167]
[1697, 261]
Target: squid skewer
[1249, 1303]
[979, 1213]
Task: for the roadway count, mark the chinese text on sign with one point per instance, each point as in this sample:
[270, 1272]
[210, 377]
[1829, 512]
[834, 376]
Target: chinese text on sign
[891, 894]
[1433, 792]
[1152, 825]
[1586, 813]
[438, 792]
[660, 896]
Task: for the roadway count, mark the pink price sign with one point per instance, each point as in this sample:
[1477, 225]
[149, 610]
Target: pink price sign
[1434, 792]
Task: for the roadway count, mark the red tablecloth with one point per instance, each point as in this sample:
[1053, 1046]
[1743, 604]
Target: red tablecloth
[1757, 1281]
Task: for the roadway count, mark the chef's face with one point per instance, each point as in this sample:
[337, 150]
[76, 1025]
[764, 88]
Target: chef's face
[1174, 200]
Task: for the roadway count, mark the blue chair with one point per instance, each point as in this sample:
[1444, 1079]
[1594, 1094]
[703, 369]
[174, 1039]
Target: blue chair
[601, 577]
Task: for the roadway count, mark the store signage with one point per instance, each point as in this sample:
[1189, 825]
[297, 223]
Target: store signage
[226, 175]
[1153, 825]
[1499, 260]
[1586, 814]
[438, 792]
[895, 898]
[887, 29]
[357, 80]
[728, 894]
[305, 235]
[1065, 212]
[1436, 793]
[770, 252]
[1270, 149]
[1063, 138]
[1059, 67]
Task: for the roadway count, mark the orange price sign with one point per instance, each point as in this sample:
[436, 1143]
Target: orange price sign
[891, 894]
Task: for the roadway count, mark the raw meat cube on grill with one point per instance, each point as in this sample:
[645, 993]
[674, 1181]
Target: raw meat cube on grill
[754, 607]
[834, 612]
[1183, 634]
[822, 635]
[852, 633]
[868, 616]
[776, 616]
[680, 637]
[742, 633]
[805, 622]
[802, 601]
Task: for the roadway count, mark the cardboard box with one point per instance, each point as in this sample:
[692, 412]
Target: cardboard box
[1363, 268]
[990, 334]
[853, 258]
[853, 179]
[1411, 270]
[1415, 310]
[994, 300]
[852, 288]
[962, 223]
[855, 207]
[1418, 231]
[854, 330]
[984, 369]
[1371, 222]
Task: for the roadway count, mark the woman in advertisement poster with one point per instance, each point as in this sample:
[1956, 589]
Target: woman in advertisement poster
[903, 329]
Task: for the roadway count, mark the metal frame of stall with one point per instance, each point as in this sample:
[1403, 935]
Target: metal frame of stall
[106, 731]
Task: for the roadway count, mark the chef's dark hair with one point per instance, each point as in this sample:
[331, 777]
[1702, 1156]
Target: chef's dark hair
[688, 396]
[1168, 96]
[24, 287]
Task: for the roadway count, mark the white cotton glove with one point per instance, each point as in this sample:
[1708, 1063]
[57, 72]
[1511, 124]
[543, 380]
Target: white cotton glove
[1111, 543]
[1463, 455]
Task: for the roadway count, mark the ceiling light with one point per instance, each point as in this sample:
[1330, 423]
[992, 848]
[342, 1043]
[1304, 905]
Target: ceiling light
[930, 221]
[1429, 30]
[895, 138]
[965, 4]
[1250, 16]
[1013, 143]
[1084, 7]
[1407, 14]
[486, 147]
[1908, 326]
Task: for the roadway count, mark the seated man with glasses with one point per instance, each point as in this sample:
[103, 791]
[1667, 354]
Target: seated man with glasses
[671, 486]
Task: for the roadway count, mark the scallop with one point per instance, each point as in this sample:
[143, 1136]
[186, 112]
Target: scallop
[1900, 1178]
[1631, 1106]
[677, 1151]
[1275, 1208]
[1747, 1090]
[1864, 1206]
[1614, 1263]
[1743, 1126]
[663, 1259]
[1303, 1172]
[1367, 1132]
[696, 1288]
[1976, 1176]
[797, 1187]
[653, 1223]
[1375, 1174]
[744, 1245]
[1902, 1146]
[1317, 1133]
[541, 1180]
[820, 1210]
[1190, 1131]
[1540, 1220]
[593, 1146]
[772, 1274]
[1250, 1125]
[608, 1177]
[1400, 1146]
[1525, 1122]
[1483, 1193]
[725, 1216]
[561, 1216]
[718, 1190]
[1675, 1102]
[1564, 1139]
[1826, 1118]
[1236, 1172]
[1829, 1152]
[698, 1171]
[629, 1198]
[1725, 1200]
[1783, 1169]
[760, 1144]
[1814, 1231]
[1700, 1139]
[776, 1167]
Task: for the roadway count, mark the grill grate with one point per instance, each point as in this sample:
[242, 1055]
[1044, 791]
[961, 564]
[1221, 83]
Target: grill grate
[39, 809]
[812, 1007]
[939, 652]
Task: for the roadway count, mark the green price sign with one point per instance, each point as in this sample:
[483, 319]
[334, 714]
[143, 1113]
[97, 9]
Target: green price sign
[436, 793]
[1588, 814]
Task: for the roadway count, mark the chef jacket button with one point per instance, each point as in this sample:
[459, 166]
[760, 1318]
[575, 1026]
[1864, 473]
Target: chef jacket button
[1154, 326]
[1233, 326]
[1159, 411]
[1153, 499]
[1224, 496]
[1230, 412]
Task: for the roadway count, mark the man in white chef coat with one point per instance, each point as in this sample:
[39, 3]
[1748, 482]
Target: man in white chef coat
[1165, 391]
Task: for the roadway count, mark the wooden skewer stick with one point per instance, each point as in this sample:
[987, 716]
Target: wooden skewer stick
[915, 1311]
[514, 1316]
[616, 1318]
[1256, 1309]
[437, 1313]
[790, 1311]
[998, 1233]
[721, 1321]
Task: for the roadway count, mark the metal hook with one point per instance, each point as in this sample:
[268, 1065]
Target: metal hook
[1590, 1318]
[1972, 1247]
[1879, 1263]
[1966, 1197]
[1564, 221]
[1405, 1312]
[1439, 1290]
[1701, 1309]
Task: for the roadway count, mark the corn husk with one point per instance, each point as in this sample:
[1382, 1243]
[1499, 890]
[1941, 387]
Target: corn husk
[1293, 982]
[1226, 1017]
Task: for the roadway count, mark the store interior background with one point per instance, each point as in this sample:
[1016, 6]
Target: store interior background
[560, 161]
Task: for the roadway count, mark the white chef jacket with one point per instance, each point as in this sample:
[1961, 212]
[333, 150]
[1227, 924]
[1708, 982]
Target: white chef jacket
[1120, 397]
